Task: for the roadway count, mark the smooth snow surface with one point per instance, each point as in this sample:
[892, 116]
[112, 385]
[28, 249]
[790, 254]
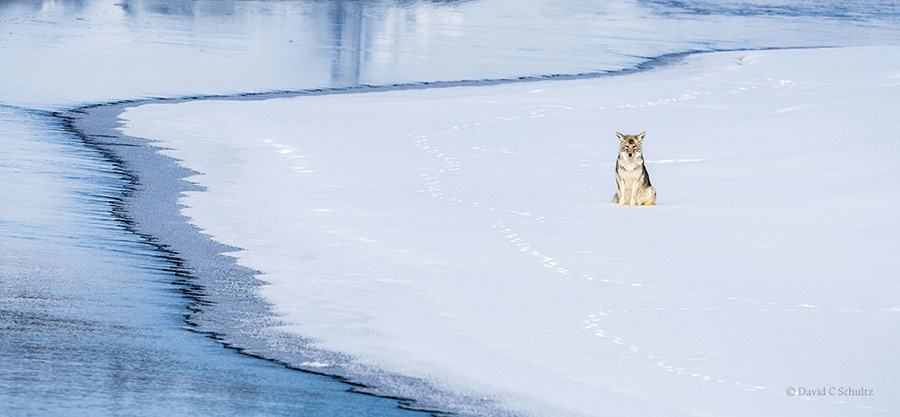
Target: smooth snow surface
[465, 236]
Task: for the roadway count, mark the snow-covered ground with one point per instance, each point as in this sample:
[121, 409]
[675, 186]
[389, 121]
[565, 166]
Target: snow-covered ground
[466, 236]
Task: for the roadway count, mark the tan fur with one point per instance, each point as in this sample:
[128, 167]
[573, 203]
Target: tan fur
[632, 178]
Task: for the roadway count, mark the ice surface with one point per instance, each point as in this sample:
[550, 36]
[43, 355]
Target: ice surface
[61, 54]
[466, 235]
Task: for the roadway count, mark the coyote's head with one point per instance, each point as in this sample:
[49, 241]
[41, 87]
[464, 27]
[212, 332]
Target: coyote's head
[630, 145]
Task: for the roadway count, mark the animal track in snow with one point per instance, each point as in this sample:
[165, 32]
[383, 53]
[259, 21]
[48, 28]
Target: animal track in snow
[737, 303]
[523, 246]
[592, 323]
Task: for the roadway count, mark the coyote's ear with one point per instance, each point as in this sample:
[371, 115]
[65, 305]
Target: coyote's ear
[640, 136]
[620, 136]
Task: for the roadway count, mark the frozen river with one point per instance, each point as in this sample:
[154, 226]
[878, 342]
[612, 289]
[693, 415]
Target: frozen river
[94, 309]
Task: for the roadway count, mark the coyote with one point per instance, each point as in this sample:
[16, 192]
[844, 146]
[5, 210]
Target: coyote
[631, 174]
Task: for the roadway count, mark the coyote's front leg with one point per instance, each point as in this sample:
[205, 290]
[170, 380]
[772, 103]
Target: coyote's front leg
[621, 184]
[633, 200]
